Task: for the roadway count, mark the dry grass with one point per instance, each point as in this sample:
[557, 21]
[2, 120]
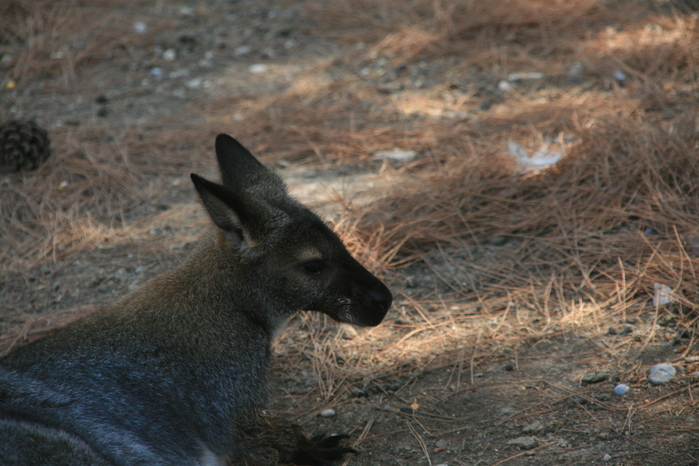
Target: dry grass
[58, 38]
[584, 217]
[586, 240]
[86, 191]
[507, 260]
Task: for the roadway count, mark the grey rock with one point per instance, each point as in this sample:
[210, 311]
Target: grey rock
[525, 443]
[533, 428]
[626, 329]
[661, 373]
[594, 377]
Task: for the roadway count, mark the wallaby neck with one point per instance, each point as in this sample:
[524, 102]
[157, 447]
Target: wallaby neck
[206, 289]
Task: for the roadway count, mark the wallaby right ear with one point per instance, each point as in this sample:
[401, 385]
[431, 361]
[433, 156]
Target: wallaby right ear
[232, 213]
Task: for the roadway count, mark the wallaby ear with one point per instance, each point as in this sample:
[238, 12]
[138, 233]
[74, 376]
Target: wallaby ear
[238, 166]
[241, 171]
[241, 221]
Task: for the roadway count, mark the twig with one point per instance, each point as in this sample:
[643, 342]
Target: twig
[419, 439]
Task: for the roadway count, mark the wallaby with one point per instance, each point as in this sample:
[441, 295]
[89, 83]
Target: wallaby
[176, 372]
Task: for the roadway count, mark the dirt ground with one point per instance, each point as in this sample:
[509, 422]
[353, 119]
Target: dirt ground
[507, 339]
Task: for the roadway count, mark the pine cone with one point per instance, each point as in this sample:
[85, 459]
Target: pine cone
[23, 146]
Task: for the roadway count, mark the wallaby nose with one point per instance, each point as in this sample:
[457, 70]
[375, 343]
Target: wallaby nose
[381, 299]
[373, 305]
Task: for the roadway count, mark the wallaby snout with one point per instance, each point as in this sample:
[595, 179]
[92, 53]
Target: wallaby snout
[176, 372]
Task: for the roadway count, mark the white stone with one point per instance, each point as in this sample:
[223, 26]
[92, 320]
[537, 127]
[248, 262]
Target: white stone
[259, 68]
[524, 75]
[662, 294]
[399, 155]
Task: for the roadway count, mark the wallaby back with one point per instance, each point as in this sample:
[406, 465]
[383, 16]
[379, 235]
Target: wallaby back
[175, 373]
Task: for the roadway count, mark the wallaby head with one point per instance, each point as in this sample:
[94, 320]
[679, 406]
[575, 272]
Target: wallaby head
[277, 247]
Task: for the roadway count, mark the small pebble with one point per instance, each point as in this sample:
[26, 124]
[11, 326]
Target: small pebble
[157, 72]
[169, 55]
[525, 443]
[533, 428]
[662, 294]
[611, 331]
[619, 75]
[499, 240]
[621, 389]
[505, 86]
[258, 68]
[594, 377]
[661, 373]
[692, 243]
[178, 73]
[327, 413]
[242, 50]
[359, 392]
[140, 27]
[607, 457]
[193, 83]
[396, 154]
[524, 75]
[576, 70]
[186, 10]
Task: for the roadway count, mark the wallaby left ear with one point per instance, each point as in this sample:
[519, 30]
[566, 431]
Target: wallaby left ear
[237, 165]
[240, 217]
[241, 171]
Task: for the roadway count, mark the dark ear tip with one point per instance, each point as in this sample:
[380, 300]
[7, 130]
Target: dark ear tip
[222, 137]
[225, 141]
[199, 181]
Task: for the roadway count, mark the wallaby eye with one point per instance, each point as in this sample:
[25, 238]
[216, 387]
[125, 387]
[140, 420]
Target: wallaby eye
[314, 267]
